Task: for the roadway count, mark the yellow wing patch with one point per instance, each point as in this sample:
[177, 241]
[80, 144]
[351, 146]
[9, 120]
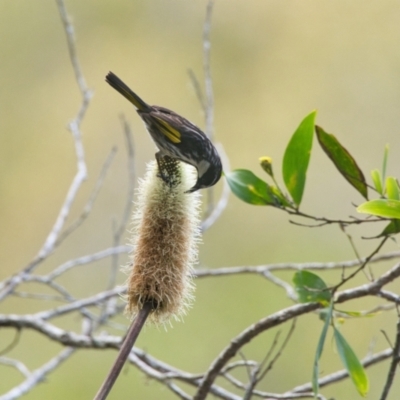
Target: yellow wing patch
[171, 133]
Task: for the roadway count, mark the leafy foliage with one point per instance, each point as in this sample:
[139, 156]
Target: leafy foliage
[381, 207]
[343, 160]
[297, 157]
[249, 188]
[320, 348]
[351, 363]
[310, 287]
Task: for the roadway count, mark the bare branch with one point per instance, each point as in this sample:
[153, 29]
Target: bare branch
[89, 205]
[18, 365]
[79, 304]
[131, 179]
[203, 273]
[393, 365]
[290, 292]
[207, 71]
[214, 213]
[362, 266]
[163, 373]
[389, 296]
[62, 336]
[209, 94]
[372, 288]
[282, 316]
[87, 260]
[81, 173]
[69, 31]
[198, 91]
[38, 375]
[120, 230]
[343, 374]
[246, 336]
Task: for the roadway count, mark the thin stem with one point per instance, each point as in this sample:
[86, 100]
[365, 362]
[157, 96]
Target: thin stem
[125, 349]
[393, 365]
[209, 94]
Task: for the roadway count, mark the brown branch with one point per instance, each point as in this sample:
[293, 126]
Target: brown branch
[393, 365]
[126, 347]
[245, 337]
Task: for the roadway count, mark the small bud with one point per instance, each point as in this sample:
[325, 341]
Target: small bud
[166, 233]
[266, 165]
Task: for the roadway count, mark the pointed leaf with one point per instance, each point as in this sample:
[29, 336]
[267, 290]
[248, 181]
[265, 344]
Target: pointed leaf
[343, 160]
[249, 188]
[392, 228]
[297, 157]
[357, 314]
[310, 287]
[320, 348]
[381, 207]
[377, 179]
[392, 188]
[352, 364]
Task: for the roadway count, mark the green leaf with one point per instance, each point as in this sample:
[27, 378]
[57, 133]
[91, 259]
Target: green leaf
[392, 228]
[279, 196]
[357, 314]
[311, 287]
[392, 188]
[352, 364]
[320, 348]
[377, 179]
[381, 207]
[249, 188]
[297, 157]
[343, 161]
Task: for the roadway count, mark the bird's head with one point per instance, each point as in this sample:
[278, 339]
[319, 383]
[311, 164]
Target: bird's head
[208, 174]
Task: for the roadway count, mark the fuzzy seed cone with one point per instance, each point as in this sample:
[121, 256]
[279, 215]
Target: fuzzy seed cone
[166, 233]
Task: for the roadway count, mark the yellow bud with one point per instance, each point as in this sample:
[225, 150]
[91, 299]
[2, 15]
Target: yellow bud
[266, 165]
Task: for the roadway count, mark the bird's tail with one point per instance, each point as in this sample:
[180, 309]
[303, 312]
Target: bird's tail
[120, 87]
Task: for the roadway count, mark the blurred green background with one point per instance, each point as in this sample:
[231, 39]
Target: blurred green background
[272, 63]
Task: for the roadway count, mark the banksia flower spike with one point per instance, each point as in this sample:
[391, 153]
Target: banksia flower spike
[165, 237]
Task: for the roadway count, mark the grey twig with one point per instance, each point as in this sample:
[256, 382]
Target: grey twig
[207, 71]
[284, 315]
[79, 304]
[92, 199]
[130, 149]
[209, 94]
[81, 174]
[197, 90]
[245, 337]
[74, 128]
[38, 375]
[18, 365]
[69, 31]
[87, 260]
[215, 212]
[120, 230]
[389, 296]
[393, 365]
[343, 374]
[317, 266]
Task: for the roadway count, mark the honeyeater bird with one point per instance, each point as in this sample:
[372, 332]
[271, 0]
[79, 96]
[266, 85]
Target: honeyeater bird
[175, 137]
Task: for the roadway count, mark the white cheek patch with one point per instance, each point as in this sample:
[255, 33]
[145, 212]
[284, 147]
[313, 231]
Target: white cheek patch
[202, 167]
